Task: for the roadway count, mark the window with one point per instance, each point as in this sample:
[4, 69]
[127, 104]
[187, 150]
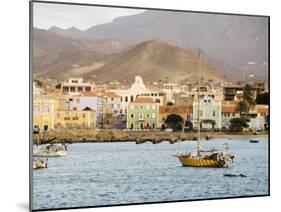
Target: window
[74, 108]
[132, 115]
[80, 89]
[45, 127]
[147, 115]
[153, 115]
[132, 98]
[87, 88]
[141, 116]
[214, 113]
[141, 107]
[126, 99]
[36, 109]
[121, 99]
[147, 107]
[45, 109]
[72, 89]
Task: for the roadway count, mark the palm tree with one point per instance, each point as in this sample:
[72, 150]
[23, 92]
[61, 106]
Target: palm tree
[242, 107]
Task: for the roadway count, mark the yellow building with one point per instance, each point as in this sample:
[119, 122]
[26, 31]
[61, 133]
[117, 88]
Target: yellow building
[52, 111]
[70, 119]
[44, 108]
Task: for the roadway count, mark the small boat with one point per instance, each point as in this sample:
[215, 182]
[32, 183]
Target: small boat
[40, 164]
[49, 150]
[254, 141]
[233, 175]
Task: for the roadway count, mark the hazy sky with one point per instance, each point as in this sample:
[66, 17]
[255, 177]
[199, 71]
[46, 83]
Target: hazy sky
[83, 17]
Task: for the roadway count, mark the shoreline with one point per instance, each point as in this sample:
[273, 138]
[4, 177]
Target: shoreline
[113, 136]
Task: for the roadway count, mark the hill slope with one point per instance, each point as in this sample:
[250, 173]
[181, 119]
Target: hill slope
[154, 60]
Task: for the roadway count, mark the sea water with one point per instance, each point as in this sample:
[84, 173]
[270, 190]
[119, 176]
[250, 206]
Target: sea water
[96, 174]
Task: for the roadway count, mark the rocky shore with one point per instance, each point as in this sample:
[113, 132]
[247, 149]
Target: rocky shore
[80, 136]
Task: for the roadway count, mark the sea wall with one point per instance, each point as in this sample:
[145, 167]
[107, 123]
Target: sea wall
[74, 136]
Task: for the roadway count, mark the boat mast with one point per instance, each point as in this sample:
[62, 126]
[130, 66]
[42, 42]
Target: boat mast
[198, 102]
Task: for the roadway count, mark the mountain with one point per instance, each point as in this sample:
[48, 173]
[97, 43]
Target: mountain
[55, 55]
[72, 32]
[154, 60]
[104, 46]
[238, 41]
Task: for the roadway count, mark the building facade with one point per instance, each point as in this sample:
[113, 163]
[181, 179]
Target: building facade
[167, 110]
[142, 114]
[76, 86]
[228, 112]
[129, 95]
[88, 100]
[209, 110]
[44, 109]
[73, 119]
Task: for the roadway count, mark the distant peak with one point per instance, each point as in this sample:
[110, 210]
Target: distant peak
[73, 28]
[54, 28]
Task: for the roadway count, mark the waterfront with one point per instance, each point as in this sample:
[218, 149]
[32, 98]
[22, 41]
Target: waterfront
[120, 173]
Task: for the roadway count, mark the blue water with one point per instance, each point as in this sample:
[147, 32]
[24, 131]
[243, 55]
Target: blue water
[95, 174]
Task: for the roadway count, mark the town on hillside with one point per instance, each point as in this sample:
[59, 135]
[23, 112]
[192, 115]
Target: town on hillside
[75, 105]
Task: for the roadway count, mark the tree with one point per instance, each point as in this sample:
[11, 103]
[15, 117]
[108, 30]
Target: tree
[238, 124]
[174, 121]
[209, 121]
[248, 97]
[242, 107]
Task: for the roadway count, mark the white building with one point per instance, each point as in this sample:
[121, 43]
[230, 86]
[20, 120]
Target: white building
[209, 109]
[129, 95]
[76, 86]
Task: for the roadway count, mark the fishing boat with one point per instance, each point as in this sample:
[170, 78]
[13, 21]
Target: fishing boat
[254, 141]
[49, 150]
[204, 158]
[40, 164]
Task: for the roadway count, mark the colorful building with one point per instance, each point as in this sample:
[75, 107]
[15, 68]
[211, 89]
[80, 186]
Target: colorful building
[73, 119]
[44, 109]
[142, 114]
[88, 100]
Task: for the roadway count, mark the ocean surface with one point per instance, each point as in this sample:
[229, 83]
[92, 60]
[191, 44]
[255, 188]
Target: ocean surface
[96, 174]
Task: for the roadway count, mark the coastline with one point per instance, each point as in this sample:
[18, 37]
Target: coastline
[105, 136]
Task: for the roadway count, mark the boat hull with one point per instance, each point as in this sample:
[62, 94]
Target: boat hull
[196, 162]
[49, 154]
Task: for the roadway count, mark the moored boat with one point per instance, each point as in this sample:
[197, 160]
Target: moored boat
[40, 164]
[254, 141]
[49, 150]
[204, 158]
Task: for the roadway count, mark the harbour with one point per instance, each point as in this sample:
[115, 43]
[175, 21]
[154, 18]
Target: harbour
[125, 173]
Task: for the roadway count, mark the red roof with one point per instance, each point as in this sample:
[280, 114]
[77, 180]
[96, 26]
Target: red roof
[143, 100]
[228, 109]
[262, 110]
[89, 94]
[110, 94]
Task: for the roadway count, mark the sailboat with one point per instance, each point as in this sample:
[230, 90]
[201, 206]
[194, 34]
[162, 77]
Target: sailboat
[204, 158]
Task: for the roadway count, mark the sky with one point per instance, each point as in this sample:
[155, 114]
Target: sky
[65, 16]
